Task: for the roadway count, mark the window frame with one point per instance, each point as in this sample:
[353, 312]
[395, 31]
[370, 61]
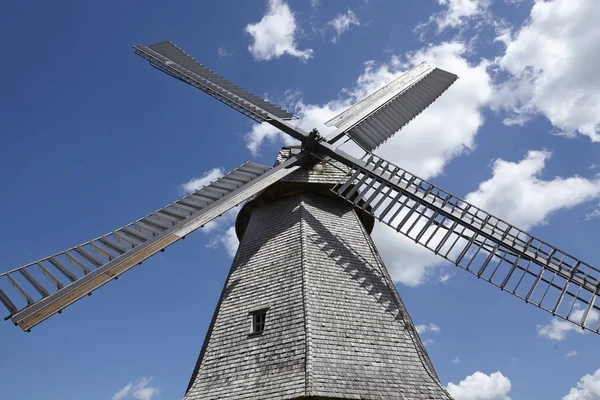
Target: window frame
[254, 322]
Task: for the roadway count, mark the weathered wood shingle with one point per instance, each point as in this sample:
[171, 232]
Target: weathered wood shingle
[363, 345]
[335, 328]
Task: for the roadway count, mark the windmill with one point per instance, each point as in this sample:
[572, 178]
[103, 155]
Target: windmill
[308, 309]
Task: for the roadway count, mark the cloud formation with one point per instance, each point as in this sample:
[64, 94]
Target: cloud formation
[593, 214]
[457, 13]
[275, 34]
[223, 52]
[552, 71]
[227, 239]
[588, 388]
[559, 328]
[480, 386]
[421, 329]
[343, 22]
[198, 183]
[516, 192]
[139, 390]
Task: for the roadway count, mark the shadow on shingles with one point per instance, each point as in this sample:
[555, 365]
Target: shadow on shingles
[356, 266]
[360, 269]
[374, 281]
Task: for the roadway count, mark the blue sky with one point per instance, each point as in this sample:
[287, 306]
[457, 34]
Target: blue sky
[93, 138]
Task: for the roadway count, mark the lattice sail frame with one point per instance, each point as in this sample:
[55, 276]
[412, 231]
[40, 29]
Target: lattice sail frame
[38, 290]
[476, 241]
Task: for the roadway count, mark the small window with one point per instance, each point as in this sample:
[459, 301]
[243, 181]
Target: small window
[259, 318]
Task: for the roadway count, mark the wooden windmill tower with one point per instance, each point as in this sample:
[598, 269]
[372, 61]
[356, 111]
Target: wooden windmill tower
[308, 309]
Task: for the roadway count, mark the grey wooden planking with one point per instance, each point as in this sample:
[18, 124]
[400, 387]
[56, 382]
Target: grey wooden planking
[336, 327]
[266, 271]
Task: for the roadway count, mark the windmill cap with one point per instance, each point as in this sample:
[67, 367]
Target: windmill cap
[317, 178]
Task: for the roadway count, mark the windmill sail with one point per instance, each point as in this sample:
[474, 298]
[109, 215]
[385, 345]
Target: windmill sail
[170, 59]
[476, 241]
[380, 115]
[38, 290]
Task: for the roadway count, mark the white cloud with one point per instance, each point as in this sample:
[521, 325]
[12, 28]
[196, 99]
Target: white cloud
[223, 52]
[593, 214]
[516, 193]
[197, 183]
[123, 392]
[421, 329]
[275, 34]
[445, 277]
[228, 240]
[139, 390]
[266, 132]
[480, 386]
[456, 360]
[559, 328]
[146, 393]
[457, 13]
[588, 388]
[343, 22]
[444, 131]
[572, 353]
[552, 66]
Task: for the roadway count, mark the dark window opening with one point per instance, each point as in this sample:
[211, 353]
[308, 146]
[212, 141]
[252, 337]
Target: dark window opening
[258, 321]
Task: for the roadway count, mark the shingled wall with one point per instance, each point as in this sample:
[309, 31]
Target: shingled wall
[336, 327]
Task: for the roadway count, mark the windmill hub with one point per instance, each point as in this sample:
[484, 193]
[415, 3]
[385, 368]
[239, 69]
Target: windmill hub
[312, 139]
